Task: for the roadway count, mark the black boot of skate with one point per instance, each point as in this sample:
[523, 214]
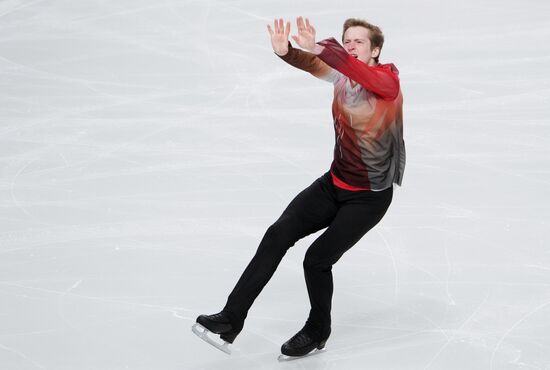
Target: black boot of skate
[222, 323]
[305, 341]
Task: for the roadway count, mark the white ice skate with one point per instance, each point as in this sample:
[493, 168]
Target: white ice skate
[202, 333]
[285, 358]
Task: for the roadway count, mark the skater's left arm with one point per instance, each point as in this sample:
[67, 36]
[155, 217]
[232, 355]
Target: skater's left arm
[381, 80]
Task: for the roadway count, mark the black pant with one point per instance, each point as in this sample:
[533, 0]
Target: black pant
[348, 216]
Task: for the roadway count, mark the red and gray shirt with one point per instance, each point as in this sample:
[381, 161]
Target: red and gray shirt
[367, 110]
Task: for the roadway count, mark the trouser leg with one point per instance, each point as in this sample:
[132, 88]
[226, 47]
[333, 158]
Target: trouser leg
[311, 210]
[357, 214]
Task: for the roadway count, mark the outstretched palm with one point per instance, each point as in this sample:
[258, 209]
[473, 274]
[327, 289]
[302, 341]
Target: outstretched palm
[306, 34]
[279, 36]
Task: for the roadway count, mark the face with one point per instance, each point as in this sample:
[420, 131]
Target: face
[357, 43]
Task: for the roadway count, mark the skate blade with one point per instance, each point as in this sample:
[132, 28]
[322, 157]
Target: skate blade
[202, 333]
[285, 358]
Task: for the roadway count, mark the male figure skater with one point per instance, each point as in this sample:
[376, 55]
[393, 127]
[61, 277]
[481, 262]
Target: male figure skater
[349, 199]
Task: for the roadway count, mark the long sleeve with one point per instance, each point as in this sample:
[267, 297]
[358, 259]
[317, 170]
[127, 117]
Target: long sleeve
[309, 62]
[381, 80]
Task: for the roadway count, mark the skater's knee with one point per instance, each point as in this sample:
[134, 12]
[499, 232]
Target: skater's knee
[316, 258]
[314, 263]
[282, 233]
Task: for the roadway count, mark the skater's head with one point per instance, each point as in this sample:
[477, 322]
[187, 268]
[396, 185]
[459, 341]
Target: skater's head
[362, 40]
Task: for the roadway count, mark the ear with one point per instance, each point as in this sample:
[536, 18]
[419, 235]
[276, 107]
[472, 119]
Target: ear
[375, 52]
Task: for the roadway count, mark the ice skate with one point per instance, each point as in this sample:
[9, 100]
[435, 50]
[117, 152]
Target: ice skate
[219, 323]
[202, 333]
[307, 342]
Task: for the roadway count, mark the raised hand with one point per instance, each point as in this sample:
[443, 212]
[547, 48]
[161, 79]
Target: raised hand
[279, 36]
[306, 34]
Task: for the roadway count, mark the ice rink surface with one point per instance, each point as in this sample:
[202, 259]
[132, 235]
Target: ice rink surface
[145, 147]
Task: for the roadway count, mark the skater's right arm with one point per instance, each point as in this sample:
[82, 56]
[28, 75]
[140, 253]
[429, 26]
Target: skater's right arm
[301, 59]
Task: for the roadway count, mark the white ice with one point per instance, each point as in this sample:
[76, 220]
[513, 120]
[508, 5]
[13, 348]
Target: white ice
[145, 147]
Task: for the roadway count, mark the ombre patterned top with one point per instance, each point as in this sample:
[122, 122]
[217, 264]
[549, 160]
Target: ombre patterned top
[367, 111]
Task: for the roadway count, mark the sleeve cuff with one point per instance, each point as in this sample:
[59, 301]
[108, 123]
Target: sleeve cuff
[318, 49]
